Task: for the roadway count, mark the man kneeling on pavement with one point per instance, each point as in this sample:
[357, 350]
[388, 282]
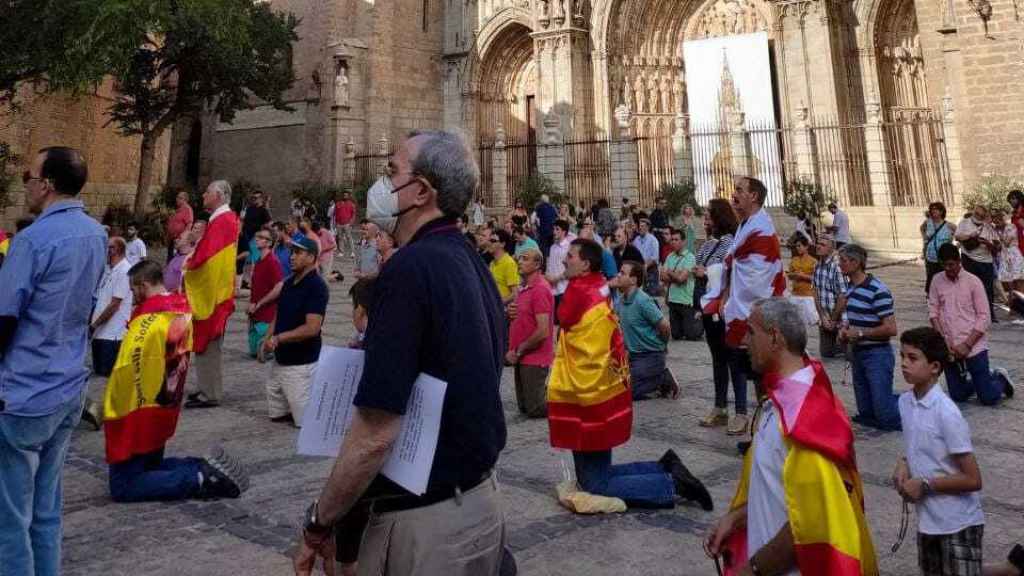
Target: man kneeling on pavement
[143, 401]
[646, 331]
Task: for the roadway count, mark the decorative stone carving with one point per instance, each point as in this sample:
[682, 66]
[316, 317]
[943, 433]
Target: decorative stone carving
[341, 95]
[731, 17]
[499, 136]
[623, 116]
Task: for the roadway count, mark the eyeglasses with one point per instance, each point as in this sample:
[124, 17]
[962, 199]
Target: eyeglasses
[27, 177]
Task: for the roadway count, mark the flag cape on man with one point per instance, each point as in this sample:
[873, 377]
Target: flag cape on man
[754, 269]
[823, 490]
[144, 393]
[209, 278]
[5, 243]
[590, 406]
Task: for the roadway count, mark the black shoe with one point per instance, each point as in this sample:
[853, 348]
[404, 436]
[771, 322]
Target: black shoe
[1002, 374]
[199, 400]
[686, 484]
[92, 414]
[1016, 558]
[508, 563]
[286, 419]
[223, 476]
[742, 447]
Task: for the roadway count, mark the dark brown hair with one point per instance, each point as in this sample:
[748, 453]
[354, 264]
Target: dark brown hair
[723, 218]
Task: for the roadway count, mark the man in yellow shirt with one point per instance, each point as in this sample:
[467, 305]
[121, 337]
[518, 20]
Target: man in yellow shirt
[503, 266]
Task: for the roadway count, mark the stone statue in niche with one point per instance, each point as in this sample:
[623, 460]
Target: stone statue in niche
[638, 89]
[341, 95]
[652, 95]
[666, 96]
[677, 95]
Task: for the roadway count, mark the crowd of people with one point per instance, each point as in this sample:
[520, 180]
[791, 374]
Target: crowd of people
[579, 304]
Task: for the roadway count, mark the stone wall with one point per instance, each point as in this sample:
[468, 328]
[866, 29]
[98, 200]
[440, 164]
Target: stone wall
[113, 159]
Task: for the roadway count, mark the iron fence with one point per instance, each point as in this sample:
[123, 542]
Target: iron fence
[841, 162]
[587, 171]
[918, 163]
[655, 165]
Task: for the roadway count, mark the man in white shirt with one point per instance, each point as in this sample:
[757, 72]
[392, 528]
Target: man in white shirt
[136, 249]
[802, 456]
[840, 227]
[555, 270]
[650, 249]
[113, 308]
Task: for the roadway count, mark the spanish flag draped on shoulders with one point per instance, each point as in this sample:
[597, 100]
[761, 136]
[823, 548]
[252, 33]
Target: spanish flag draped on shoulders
[5, 243]
[144, 393]
[590, 407]
[210, 277]
[824, 495]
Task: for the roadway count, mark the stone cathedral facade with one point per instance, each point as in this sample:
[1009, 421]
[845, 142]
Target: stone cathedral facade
[531, 72]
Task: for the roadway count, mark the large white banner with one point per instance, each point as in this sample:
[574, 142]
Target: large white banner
[747, 59]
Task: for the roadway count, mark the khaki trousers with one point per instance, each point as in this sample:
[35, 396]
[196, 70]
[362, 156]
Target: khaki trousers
[462, 536]
[210, 372]
[532, 390]
[288, 390]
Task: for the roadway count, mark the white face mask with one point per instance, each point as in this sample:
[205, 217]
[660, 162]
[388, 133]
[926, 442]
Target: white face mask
[382, 204]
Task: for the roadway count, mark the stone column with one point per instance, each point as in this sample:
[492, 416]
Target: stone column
[348, 180]
[565, 79]
[625, 176]
[952, 135]
[682, 149]
[877, 155]
[803, 146]
[551, 153]
[738, 145]
[382, 153]
[499, 172]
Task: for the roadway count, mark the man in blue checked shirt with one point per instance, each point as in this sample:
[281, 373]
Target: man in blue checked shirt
[51, 272]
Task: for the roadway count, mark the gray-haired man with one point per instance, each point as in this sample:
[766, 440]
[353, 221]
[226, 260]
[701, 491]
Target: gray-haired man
[436, 282]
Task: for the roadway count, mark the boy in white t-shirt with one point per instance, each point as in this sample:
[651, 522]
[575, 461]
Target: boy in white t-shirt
[939, 473]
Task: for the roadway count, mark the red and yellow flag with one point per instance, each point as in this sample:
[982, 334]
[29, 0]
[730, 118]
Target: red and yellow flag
[144, 393]
[210, 279]
[590, 406]
[823, 490]
[5, 243]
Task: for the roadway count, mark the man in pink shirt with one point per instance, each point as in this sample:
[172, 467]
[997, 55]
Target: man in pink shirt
[958, 309]
[530, 348]
[179, 222]
[344, 216]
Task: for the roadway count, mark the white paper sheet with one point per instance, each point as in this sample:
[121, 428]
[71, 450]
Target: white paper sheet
[328, 417]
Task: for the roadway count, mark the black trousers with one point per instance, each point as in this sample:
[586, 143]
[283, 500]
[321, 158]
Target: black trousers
[930, 270]
[726, 363]
[986, 272]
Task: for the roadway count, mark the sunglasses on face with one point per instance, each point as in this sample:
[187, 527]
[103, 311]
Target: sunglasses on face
[27, 177]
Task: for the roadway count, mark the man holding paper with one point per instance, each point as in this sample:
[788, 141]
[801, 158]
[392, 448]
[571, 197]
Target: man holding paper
[435, 311]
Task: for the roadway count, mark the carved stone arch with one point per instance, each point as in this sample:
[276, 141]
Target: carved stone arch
[505, 74]
[901, 80]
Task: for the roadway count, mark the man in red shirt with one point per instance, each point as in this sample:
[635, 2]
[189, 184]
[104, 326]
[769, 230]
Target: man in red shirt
[179, 222]
[265, 275]
[530, 349]
[344, 216]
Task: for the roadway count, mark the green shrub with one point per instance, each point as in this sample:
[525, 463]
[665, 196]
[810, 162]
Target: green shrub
[531, 188]
[678, 195]
[991, 192]
[804, 197]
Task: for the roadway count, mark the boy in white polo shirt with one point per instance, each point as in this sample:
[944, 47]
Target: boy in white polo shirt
[939, 473]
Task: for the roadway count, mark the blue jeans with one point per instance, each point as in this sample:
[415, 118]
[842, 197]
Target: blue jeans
[989, 389]
[647, 371]
[150, 477]
[32, 451]
[640, 484]
[872, 386]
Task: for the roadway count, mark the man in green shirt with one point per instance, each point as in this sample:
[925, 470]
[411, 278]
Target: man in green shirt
[646, 331]
[523, 241]
[677, 275]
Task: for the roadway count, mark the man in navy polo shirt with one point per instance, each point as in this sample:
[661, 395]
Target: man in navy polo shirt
[437, 311]
[294, 335]
[871, 319]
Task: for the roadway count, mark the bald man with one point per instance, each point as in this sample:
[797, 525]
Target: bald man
[113, 308]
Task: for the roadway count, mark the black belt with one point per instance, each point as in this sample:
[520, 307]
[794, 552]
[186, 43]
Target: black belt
[411, 501]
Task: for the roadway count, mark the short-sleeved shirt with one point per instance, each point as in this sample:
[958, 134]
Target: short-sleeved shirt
[933, 431]
[829, 282]
[506, 275]
[802, 265]
[265, 275]
[368, 259]
[435, 310]
[681, 293]
[841, 221]
[307, 296]
[534, 298]
[980, 253]
[639, 316]
[114, 284]
[47, 284]
[648, 247]
[135, 252]
[284, 258]
[867, 305]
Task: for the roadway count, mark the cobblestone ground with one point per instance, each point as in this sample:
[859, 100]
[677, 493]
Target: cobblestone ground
[253, 535]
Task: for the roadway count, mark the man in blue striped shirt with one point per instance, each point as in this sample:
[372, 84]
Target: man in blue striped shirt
[871, 322]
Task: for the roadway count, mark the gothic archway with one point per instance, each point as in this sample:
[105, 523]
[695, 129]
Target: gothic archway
[902, 84]
[506, 86]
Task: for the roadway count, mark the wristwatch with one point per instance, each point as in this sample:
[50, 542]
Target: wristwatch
[926, 487]
[313, 526]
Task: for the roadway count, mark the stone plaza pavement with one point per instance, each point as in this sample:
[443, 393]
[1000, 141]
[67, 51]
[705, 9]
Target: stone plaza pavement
[254, 534]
